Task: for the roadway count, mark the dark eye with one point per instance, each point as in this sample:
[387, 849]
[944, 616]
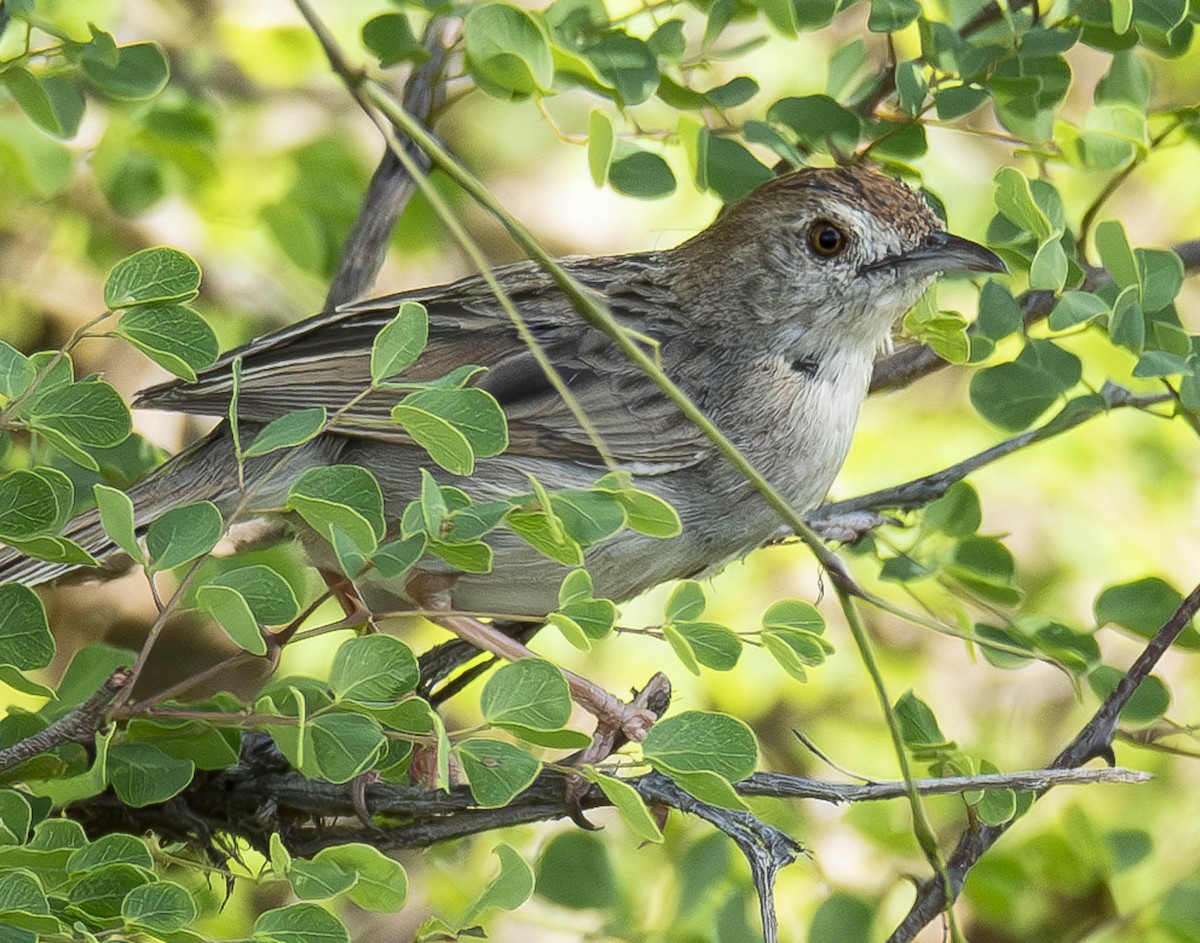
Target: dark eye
[826, 239]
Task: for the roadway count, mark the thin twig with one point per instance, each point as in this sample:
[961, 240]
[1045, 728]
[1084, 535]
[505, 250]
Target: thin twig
[1094, 740]
[920, 491]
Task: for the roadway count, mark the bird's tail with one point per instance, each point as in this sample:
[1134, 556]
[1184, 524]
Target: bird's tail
[204, 472]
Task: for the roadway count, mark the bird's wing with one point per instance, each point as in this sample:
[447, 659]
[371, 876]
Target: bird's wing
[325, 361]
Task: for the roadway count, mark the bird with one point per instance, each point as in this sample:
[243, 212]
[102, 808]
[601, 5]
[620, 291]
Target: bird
[769, 320]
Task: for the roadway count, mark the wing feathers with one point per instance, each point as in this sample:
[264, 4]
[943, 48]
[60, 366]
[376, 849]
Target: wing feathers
[325, 361]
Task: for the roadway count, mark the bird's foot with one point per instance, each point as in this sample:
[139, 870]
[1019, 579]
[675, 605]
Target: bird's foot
[612, 732]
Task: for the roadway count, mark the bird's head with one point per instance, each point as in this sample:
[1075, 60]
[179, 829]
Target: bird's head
[842, 249]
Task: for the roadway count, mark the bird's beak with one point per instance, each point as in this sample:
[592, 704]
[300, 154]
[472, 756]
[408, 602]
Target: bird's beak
[942, 252]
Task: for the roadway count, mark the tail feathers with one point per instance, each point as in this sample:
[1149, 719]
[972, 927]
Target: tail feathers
[205, 472]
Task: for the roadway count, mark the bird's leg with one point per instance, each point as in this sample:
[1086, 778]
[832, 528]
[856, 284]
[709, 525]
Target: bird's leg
[432, 593]
[655, 697]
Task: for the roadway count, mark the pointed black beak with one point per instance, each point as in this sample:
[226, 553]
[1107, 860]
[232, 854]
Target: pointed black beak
[942, 252]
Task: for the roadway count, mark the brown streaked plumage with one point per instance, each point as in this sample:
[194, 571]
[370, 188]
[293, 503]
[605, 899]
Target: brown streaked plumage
[771, 336]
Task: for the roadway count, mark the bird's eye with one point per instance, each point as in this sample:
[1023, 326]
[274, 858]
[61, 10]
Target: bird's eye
[826, 239]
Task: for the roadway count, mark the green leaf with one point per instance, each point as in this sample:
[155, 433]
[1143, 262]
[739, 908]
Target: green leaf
[681, 647]
[781, 14]
[380, 883]
[172, 335]
[840, 918]
[25, 639]
[288, 431]
[627, 64]
[21, 893]
[139, 72]
[588, 516]
[957, 513]
[1115, 254]
[373, 669]
[571, 630]
[88, 413]
[686, 601]
[182, 534]
[818, 122]
[233, 614]
[268, 594]
[509, 889]
[508, 50]
[1127, 324]
[887, 16]
[796, 651]
[1160, 273]
[1049, 268]
[574, 870]
[396, 558]
[576, 587]
[911, 86]
[16, 815]
[446, 445]
[702, 741]
[390, 37]
[600, 146]
[530, 692]
[668, 40]
[114, 848]
[142, 774]
[117, 519]
[714, 646]
[593, 617]
[919, 728]
[1076, 307]
[712, 788]
[1122, 15]
[345, 496]
[542, 532]
[629, 803]
[496, 771]
[793, 614]
[737, 91]
[648, 514]
[470, 558]
[1143, 607]
[342, 745]
[33, 503]
[16, 372]
[641, 174]
[299, 923]
[959, 100]
[400, 342]
[1015, 200]
[54, 102]
[99, 893]
[472, 412]
[1147, 704]
[161, 907]
[152, 276]
[1013, 395]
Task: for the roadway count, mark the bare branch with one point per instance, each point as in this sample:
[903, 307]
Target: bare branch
[78, 726]
[262, 794]
[391, 185]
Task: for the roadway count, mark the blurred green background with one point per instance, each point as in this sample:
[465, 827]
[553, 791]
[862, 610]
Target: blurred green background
[254, 161]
